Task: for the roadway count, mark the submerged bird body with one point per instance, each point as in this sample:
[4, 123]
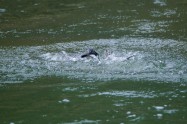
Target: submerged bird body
[91, 52]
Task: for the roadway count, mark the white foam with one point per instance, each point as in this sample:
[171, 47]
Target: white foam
[130, 94]
[158, 108]
[86, 121]
[2, 10]
[148, 60]
[171, 111]
[160, 2]
[159, 116]
[64, 101]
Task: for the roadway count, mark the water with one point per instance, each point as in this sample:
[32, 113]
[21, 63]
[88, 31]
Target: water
[125, 59]
[139, 77]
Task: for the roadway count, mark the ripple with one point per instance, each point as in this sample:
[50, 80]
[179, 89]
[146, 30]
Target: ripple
[86, 121]
[2, 10]
[129, 94]
[160, 2]
[125, 58]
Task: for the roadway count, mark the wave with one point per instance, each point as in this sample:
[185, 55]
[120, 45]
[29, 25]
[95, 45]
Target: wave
[125, 59]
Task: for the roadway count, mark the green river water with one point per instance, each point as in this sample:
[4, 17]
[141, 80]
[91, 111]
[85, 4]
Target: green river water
[140, 76]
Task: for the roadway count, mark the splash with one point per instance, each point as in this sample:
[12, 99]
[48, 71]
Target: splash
[125, 59]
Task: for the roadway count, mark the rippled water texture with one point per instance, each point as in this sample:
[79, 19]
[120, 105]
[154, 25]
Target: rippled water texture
[124, 58]
[79, 20]
[139, 77]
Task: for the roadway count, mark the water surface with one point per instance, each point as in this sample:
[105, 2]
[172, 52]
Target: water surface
[139, 77]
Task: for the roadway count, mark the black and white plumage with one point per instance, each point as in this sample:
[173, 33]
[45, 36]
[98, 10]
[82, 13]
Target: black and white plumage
[90, 52]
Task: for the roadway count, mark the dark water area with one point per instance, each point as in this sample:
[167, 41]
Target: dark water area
[140, 76]
[43, 22]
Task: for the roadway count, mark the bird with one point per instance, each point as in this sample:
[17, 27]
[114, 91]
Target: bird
[90, 52]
